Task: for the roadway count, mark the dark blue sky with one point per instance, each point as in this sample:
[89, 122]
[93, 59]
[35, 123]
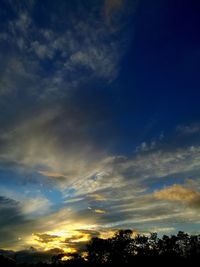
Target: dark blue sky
[100, 118]
[159, 83]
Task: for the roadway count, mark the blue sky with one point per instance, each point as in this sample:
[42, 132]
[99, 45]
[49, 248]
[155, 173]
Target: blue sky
[100, 119]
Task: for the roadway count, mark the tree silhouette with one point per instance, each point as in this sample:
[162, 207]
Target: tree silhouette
[125, 249]
[99, 250]
[7, 262]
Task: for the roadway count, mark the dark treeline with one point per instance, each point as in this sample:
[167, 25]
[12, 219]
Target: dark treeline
[124, 249]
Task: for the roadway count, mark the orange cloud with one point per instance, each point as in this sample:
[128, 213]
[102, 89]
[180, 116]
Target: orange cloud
[178, 193]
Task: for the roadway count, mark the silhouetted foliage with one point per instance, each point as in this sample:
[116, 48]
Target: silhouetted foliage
[6, 261]
[124, 249]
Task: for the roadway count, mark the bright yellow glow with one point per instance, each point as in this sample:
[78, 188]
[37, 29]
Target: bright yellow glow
[97, 197]
[100, 211]
[59, 238]
[84, 255]
[66, 258]
[107, 234]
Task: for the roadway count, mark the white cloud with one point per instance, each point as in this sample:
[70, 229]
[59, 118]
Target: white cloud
[145, 146]
[188, 129]
[30, 206]
[23, 22]
[42, 50]
[36, 206]
[81, 44]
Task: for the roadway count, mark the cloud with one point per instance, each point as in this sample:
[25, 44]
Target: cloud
[10, 220]
[101, 60]
[99, 211]
[57, 110]
[146, 147]
[114, 12]
[32, 203]
[42, 50]
[10, 212]
[69, 241]
[36, 206]
[97, 197]
[120, 172]
[56, 147]
[51, 174]
[23, 22]
[22, 71]
[119, 185]
[112, 176]
[188, 129]
[179, 193]
[54, 134]
[112, 6]
[79, 43]
[45, 238]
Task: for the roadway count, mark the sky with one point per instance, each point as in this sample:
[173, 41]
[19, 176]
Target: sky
[99, 121]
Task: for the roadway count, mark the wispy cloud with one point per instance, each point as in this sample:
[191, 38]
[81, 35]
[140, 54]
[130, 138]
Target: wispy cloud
[78, 47]
[111, 7]
[36, 206]
[188, 129]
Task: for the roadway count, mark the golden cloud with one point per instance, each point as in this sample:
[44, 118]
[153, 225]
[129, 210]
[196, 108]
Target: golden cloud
[97, 197]
[178, 193]
[100, 211]
[51, 174]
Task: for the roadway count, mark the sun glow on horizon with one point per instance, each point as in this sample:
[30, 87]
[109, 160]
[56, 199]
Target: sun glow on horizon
[61, 238]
